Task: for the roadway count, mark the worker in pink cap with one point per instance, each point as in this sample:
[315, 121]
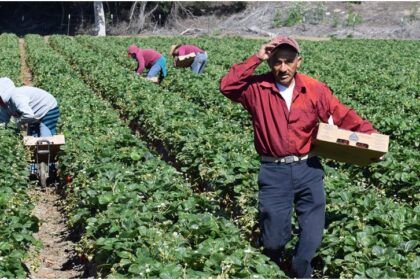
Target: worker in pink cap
[286, 107]
[200, 59]
[149, 59]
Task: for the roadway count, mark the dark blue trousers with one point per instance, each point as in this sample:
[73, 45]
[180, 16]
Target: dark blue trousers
[282, 187]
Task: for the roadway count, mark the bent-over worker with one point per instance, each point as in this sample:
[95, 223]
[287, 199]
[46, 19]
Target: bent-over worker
[31, 105]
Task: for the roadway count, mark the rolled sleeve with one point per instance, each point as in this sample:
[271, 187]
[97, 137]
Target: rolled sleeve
[238, 79]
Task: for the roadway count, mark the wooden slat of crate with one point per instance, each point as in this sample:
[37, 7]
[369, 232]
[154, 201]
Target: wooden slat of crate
[55, 142]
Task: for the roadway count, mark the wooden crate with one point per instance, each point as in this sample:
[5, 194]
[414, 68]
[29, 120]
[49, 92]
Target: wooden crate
[55, 142]
[348, 146]
[184, 60]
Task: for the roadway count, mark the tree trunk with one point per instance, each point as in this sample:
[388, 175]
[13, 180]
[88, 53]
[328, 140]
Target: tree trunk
[132, 9]
[99, 18]
[174, 14]
[141, 18]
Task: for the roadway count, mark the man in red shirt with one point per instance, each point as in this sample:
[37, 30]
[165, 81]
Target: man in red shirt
[286, 107]
[200, 59]
[149, 59]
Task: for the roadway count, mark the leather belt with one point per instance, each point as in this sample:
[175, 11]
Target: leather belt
[287, 159]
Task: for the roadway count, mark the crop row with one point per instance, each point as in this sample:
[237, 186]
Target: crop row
[203, 90]
[16, 221]
[138, 216]
[359, 241]
[199, 140]
[357, 63]
[371, 94]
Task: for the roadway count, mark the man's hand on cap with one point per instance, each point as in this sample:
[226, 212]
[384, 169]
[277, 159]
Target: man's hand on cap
[265, 51]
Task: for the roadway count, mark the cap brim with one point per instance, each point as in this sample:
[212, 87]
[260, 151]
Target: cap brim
[282, 44]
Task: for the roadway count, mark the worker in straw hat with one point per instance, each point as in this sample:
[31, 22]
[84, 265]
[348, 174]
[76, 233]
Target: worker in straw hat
[197, 63]
[286, 107]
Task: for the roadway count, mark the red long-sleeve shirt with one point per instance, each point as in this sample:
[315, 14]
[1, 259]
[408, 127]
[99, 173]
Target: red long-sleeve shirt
[278, 132]
[145, 57]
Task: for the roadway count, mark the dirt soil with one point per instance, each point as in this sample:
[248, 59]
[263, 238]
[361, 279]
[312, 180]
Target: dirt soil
[26, 75]
[57, 259]
[363, 19]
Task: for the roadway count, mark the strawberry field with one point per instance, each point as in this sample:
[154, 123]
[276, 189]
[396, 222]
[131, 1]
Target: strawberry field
[16, 221]
[164, 177]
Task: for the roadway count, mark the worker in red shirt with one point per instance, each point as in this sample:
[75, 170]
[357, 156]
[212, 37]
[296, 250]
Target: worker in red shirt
[149, 59]
[200, 59]
[286, 107]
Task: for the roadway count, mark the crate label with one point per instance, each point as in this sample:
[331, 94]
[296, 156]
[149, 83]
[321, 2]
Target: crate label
[353, 137]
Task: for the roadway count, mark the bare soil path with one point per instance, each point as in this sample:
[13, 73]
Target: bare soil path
[26, 74]
[57, 258]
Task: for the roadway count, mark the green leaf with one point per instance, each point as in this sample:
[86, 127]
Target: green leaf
[374, 272]
[135, 156]
[105, 198]
[409, 245]
[377, 251]
[136, 269]
[124, 255]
